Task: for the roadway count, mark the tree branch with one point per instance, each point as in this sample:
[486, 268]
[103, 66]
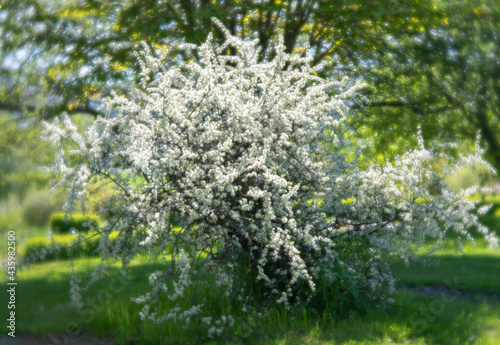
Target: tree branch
[416, 110]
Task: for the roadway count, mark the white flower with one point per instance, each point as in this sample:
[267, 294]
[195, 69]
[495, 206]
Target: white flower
[243, 157]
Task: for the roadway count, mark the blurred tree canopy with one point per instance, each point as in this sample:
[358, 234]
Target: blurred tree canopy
[20, 153]
[430, 63]
[445, 78]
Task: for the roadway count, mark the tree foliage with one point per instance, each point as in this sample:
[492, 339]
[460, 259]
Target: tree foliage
[245, 155]
[427, 63]
[87, 45]
[443, 77]
[21, 154]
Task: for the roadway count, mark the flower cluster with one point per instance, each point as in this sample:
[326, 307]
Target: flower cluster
[227, 168]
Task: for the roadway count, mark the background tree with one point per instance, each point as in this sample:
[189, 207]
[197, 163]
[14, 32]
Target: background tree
[81, 48]
[444, 77]
[428, 63]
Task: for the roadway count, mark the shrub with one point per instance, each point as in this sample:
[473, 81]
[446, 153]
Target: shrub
[247, 157]
[491, 219]
[61, 224]
[470, 176]
[99, 199]
[61, 247]
[10, 212]
[37, 208]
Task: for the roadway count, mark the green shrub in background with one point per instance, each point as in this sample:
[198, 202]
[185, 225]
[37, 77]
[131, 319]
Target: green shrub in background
[37, 207]
[100, 199]
[10, 212]
[62, 225]
[470, 176]
[62, 247]
[492, 218]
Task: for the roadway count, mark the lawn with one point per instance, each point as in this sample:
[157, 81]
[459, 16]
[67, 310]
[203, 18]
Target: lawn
[449, 297]
[468, 313]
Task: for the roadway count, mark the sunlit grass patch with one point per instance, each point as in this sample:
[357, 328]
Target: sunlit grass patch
[44, 307]
[473, 316]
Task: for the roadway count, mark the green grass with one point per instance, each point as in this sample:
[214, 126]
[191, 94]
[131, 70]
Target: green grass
[43, 305]
[475, 270]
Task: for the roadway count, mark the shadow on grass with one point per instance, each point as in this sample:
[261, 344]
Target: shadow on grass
[475, 273]
[43, 308]
[411, 319]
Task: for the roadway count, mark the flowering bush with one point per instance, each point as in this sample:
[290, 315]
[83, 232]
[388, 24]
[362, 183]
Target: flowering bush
[245, 157]
[60, 224]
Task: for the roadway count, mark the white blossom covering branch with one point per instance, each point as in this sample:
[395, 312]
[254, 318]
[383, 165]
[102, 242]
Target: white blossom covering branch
[226, 169]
